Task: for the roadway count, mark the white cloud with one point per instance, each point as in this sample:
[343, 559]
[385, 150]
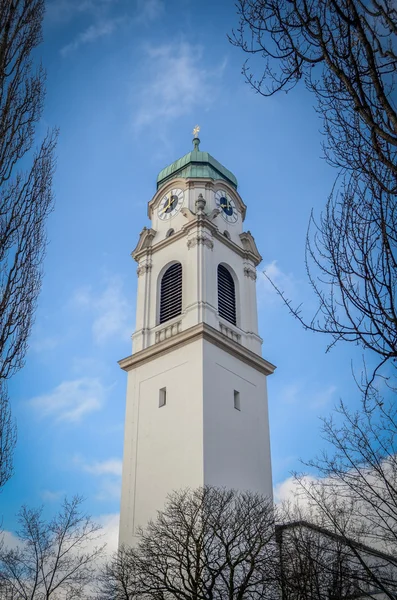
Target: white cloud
[91, 34]
[10, 540]
[110, 531]
[285, 282]
[111, 466]
[177, 83]
[110, 489]
[82, 297]
[149, 10]
[312, 394]
[72, 400]
[323, 398]
[89, 365]
[44, 344]
[51, 496]
[109, 475]
[291, 393]
[291, 491]
[111, 310]
[103, 22]
[62, 11]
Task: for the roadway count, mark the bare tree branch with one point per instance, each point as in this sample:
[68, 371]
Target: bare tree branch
[345, 53]
[207, 544]
[25, 194]
[55, 559]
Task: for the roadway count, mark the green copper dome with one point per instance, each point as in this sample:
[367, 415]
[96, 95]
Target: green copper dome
[196, 164]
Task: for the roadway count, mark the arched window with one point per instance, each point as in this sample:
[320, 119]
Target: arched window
[171, 293]
[169, 233]
[226, 295]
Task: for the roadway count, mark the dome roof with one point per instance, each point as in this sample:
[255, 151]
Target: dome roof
[196, 164]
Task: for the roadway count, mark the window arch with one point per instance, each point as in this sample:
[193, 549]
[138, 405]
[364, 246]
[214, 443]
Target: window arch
[226, 295]
[171, 293]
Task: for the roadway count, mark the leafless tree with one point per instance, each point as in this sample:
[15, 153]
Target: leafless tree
[206, 544]
[7, 437]
[55, 559]
[345, 53]
[354, 495]
[25, 192]
[119, 579]
[319, 564]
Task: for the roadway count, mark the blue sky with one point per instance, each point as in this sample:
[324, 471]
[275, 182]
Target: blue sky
[127, 82]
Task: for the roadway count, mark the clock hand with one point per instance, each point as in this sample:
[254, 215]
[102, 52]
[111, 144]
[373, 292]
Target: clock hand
[168, 205]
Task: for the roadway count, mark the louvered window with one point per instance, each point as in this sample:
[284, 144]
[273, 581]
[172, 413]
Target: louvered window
[226, 295]
[171, 293]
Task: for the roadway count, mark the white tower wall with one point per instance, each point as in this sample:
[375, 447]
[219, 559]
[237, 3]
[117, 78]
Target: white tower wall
[236, 442]
[163, 447]
[198, 357]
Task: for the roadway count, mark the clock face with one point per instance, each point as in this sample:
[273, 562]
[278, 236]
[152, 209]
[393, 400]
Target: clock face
[170, 204]
[227, 206]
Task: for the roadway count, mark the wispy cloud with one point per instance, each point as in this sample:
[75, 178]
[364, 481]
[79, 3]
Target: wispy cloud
[105, 20]
[175, 83]
[108, 473]
[71, 401]
[112, 312]
[62, 11]
[285, 282]
[110, 489]
[91, 34]
[312, 395]
[291, 393]
[51, 496]
[149, 10]
[44, 343]
[111, 466]
[323, 397]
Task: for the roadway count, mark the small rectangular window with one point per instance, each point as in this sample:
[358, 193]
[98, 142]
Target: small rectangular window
[162, 397]
[237, 400]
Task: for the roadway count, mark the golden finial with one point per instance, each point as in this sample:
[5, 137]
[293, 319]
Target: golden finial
[196, 130]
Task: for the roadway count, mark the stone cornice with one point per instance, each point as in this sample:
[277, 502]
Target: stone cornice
[200, 331]
[202, 221]
[145, 241]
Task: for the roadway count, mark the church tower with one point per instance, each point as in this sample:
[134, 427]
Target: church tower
[196, 409]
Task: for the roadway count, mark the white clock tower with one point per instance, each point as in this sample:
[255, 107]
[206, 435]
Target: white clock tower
[197, 409]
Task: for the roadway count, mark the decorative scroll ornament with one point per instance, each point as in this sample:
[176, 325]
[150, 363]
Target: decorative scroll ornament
[145, 268]
[200, 239]
[249, 245]
[145, 242]
[251, 273]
